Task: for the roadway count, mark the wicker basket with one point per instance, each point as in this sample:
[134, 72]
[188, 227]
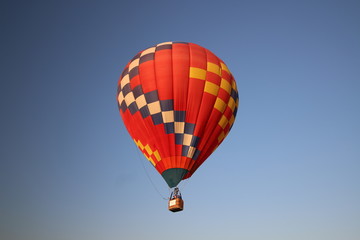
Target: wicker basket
[176, 205]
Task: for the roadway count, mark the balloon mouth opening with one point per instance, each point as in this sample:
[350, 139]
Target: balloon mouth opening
[173, 176]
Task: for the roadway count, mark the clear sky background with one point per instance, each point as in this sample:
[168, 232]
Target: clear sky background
[289, 169]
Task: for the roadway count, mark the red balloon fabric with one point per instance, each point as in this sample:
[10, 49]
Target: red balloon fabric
[178, 102]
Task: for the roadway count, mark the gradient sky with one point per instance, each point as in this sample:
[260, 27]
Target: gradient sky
[289, 169]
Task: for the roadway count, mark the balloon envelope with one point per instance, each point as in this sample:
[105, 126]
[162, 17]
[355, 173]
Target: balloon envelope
[178, 102]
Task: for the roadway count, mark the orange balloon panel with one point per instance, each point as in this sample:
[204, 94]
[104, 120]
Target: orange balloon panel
[178, 102]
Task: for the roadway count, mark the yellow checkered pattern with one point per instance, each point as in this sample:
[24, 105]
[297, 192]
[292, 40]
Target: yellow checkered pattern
[152, 155]
[210, 87]
[213, 89]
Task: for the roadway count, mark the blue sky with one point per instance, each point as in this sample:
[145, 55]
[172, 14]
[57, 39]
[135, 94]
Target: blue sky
[289, 169]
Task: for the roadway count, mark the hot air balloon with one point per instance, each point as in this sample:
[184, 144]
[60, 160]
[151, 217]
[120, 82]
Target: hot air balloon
[178, 102]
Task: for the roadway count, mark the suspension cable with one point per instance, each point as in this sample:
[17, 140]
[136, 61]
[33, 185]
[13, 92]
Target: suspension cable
[148, 176]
